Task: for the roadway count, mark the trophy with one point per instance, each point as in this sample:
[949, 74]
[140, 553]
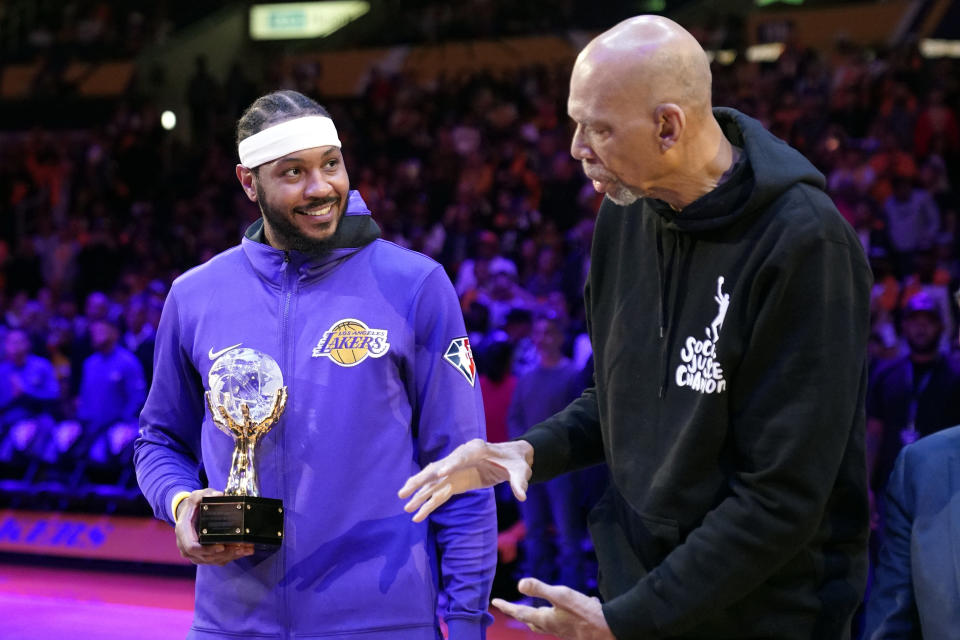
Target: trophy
[246, 398]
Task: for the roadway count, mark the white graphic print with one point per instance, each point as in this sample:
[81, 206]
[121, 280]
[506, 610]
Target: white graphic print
[723, 299]
[700, 369]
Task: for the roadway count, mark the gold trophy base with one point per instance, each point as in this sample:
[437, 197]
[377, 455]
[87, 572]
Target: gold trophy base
[248, 519]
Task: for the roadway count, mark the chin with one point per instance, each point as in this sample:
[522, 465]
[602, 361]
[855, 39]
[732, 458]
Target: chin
[623, 196]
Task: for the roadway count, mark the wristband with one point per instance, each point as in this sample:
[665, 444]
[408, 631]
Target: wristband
[177, 499]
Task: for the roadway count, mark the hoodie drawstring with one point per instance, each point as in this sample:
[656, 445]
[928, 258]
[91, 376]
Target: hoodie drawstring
[666, 270]
[661, 279]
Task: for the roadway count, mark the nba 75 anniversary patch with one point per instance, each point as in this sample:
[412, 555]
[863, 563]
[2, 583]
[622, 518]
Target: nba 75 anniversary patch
[349, 341]
[460, 355]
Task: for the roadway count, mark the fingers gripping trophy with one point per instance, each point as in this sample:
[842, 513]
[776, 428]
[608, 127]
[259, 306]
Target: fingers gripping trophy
[246, 399]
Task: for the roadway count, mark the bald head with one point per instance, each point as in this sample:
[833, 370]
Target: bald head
[640, 97]
[654, 61]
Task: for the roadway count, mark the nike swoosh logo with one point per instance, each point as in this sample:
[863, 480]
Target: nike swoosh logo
[214, 355]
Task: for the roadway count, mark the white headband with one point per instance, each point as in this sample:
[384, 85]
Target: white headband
[286, 137]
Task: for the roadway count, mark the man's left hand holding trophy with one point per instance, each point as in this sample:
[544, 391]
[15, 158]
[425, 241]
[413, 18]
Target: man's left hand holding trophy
[189, 543]
[246, 398]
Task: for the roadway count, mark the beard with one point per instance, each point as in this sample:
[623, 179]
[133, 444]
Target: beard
[288, 234]
[617, 190]
[622, 195]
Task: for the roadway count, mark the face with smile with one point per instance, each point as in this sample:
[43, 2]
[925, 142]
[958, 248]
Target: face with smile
[302, 197]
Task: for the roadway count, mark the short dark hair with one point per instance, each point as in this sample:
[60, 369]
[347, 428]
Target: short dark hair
[276, 107]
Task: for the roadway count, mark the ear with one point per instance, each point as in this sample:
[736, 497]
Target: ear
[246, 178]
[671, 121]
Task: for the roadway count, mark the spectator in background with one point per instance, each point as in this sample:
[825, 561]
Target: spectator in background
[112, 385]
[913, 396]
[140, 334]
[851, 172]
[915, 592]
[33, 320]
[553, 505]
[59, 341]
[476, 318]
[28, 397]
[884, 298]
[96, 307]
[913, 221]
[517, 328]
[497, 383]
[487, 251]
[930, 278]
[889, 161]
[504, 295]
[936, 128]
[548, 276]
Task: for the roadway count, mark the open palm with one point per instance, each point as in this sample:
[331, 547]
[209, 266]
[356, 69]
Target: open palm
[473, 465]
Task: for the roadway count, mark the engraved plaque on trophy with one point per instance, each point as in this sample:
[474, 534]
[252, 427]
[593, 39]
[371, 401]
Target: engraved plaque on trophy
[246, 398]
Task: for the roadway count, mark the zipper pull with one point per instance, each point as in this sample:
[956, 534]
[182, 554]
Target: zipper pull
[286, 256]
[661, 332]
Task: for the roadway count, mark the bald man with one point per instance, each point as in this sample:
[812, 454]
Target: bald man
[727, 305]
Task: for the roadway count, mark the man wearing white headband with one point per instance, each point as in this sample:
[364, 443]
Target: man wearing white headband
[302, 211]
[381, 381]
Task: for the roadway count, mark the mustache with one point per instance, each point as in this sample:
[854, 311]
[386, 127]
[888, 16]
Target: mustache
[596, 173]
[319, 203]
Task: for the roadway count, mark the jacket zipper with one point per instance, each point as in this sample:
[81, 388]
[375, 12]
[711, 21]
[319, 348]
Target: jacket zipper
[287, 290]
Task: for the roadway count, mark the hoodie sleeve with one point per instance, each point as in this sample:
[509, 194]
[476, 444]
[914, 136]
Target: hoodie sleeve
[448, 412]
[166, 454]
[796, 432]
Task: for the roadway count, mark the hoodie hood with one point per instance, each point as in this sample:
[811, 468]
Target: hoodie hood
[767, 168]
[356, 230]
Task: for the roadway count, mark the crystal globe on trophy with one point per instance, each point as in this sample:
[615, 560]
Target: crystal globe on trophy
[246, 398]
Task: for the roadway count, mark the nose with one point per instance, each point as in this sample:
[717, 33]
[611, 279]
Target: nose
[579, 148]
[317, 185]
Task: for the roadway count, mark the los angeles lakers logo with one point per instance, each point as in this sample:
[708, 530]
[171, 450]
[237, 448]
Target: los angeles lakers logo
[349, 341]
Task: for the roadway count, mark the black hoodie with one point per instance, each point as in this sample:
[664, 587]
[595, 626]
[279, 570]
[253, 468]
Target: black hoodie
[730, 351]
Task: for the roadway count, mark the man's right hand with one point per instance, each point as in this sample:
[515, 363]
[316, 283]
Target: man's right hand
[189, 544]
[473, 465]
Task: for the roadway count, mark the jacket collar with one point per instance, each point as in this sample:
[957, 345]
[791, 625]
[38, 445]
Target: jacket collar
[355, 231]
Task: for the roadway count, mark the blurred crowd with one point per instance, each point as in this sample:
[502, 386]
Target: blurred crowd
[474, 171]
[57, 31]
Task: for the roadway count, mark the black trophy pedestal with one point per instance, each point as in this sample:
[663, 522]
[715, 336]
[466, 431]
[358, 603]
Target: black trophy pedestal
[228, 519]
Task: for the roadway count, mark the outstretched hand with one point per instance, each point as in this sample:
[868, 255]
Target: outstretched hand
[473, 465]
[573, 616]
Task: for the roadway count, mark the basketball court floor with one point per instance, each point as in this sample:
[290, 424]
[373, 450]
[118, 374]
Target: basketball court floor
[46, 603]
